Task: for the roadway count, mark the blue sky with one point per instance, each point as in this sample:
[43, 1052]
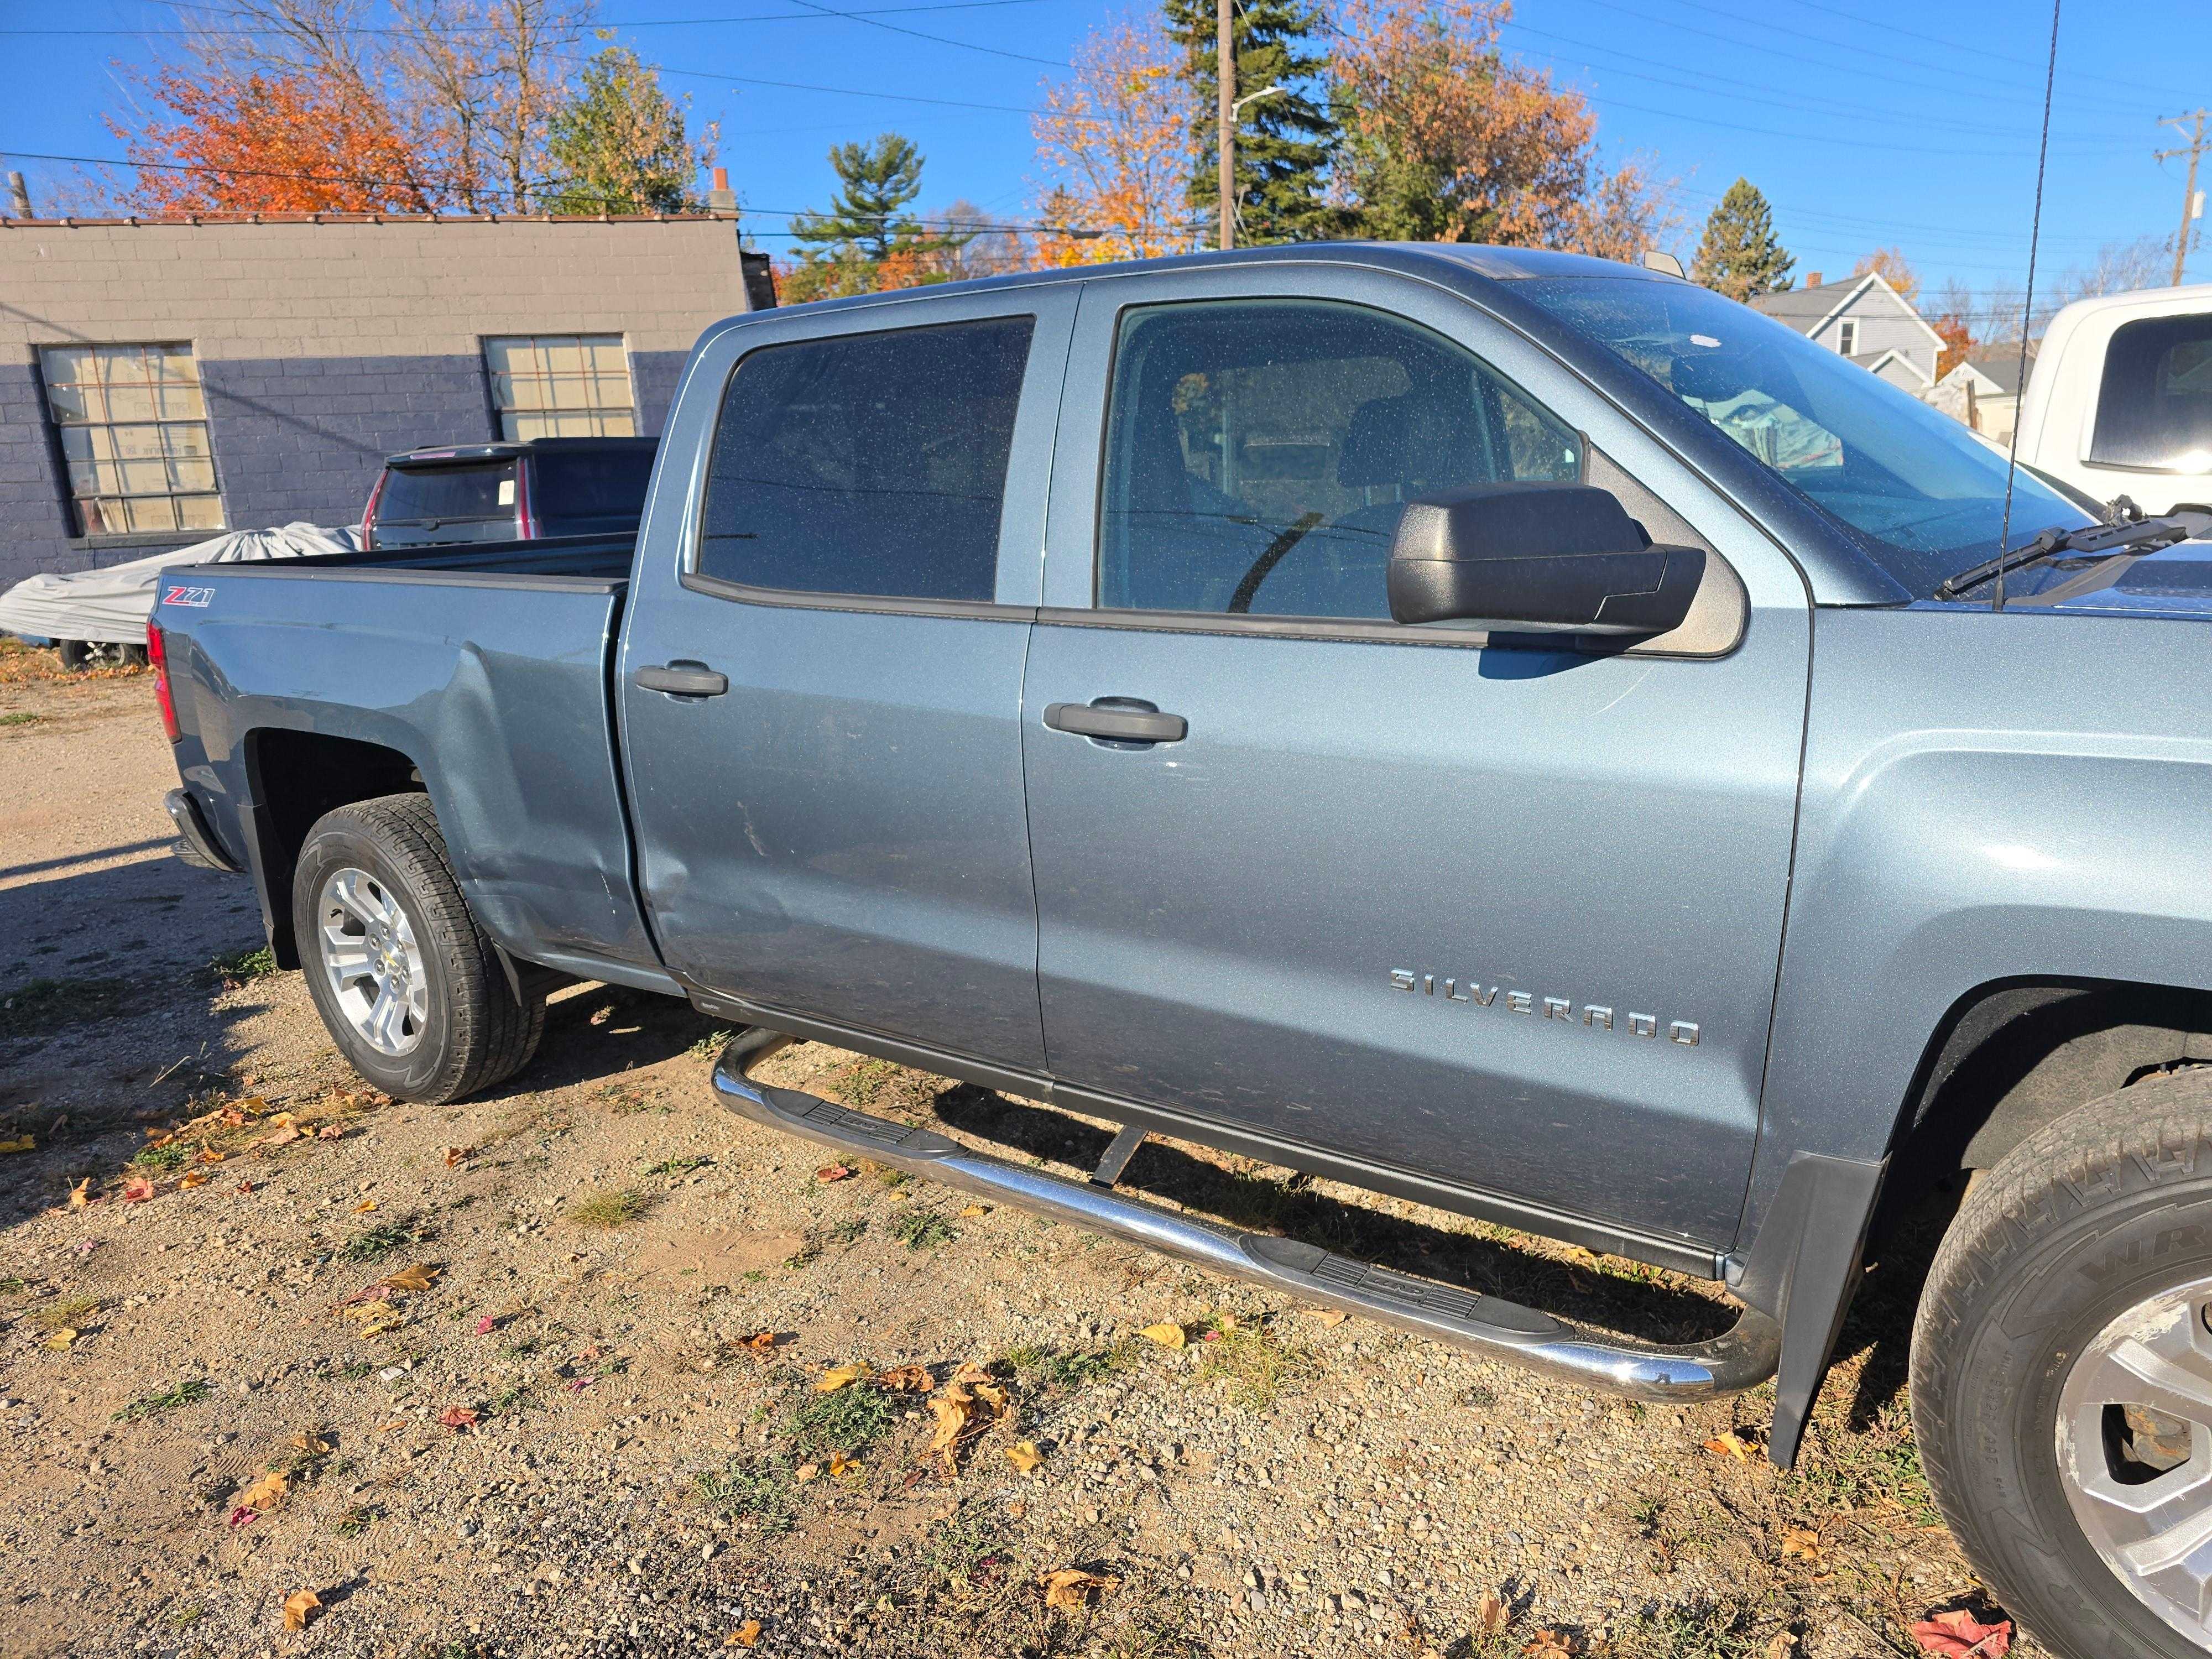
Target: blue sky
[1864, 121]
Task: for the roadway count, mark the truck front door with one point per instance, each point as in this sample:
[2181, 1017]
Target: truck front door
[1485, 913]
[821, 670]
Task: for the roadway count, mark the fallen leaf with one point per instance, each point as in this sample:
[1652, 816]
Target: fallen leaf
[242, 1516]
[952, 1419]
[376, 1309]
[285, 1137]
[208, 1155]
[20, 1144]
[486, 1326]
[1023, 1456]
[1783, 1646]
[138, 1190]
[836, 1378]
[1070, 1588]
[299, 1606]
[191, 1178]
[380, 1327]
[245, 1186]
[907, 1379]
[417, 1277]
[62, 1339]
[329, 1131]
[81, 1195]
[833, 1172]
[805, 1472]
[1548, 1644]
[1958, 1635]
[1168, 1336]
[745, 1635]
[842, 1465]
[1491, 1615]
[1330, 1317]
[459, 1154]
[266, 1493]
[1800, 1544]
[973, 1210]
[459, 1417]
[312, 1441]
[1729, 1444]
[364, 1207]
[234, 1118]
[761, 1342]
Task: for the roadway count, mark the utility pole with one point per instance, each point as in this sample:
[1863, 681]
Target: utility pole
[1224, 144]
[2190, 208]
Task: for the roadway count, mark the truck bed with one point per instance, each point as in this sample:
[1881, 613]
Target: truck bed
[484, 671]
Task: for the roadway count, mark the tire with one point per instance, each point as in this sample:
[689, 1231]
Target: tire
[2089, 1244]
[78, 656]
[375, 893]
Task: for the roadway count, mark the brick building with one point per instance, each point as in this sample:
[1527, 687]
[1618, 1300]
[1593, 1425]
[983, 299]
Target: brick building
[161, 379]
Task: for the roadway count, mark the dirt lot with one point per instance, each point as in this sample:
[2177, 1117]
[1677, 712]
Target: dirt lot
[593, 1422]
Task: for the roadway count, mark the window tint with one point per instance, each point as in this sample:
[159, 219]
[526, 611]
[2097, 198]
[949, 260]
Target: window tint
[870, 464]
[572, 486]
[412, 494]
[2154, 408]
[1259, 452]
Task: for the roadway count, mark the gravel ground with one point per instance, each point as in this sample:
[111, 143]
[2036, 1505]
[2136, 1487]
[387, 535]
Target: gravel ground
[592, 1424]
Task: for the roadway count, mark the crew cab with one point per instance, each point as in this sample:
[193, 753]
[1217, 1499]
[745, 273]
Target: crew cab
[1505, 730]
[536, 488]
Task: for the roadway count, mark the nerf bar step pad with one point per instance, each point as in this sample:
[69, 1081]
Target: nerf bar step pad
[1740, 1358]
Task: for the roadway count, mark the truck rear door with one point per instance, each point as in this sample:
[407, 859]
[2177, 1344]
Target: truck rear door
[821, 671]
[1506, 918]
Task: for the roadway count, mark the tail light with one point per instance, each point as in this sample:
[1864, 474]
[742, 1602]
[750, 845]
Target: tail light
[157, 653]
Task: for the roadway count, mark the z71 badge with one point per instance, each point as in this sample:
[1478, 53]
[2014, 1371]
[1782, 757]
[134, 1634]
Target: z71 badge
[200, 597]
[1594, 1015]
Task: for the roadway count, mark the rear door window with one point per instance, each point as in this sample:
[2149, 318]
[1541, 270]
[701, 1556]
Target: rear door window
[2154, 408]
[419, 495]
[1259, 452]
[867, 464]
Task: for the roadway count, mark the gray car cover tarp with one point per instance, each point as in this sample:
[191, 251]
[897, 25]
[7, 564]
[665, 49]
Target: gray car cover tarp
[111, 605]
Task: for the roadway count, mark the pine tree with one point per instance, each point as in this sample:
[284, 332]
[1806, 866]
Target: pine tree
[1739, 256]
[866, 240]
[618, 145]
[1283, 141]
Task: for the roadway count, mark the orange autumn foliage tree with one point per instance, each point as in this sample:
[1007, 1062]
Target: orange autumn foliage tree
[1446, 140]
[269, 143]
[1112, 141]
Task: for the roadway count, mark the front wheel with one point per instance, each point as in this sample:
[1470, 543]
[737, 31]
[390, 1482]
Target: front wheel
[2062, 1375]
[407, 984]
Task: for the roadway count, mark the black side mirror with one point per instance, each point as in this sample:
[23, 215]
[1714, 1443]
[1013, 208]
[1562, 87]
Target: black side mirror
[1537, 556]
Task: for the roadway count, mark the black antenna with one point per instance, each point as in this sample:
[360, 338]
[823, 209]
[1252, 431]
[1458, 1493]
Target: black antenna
[2027, 309]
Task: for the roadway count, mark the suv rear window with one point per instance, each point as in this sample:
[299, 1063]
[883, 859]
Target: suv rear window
[2154, 408]
[414, 495]
[867, 464]
[594, 485]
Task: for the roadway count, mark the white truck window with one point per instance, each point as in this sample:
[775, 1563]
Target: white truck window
[2155, 407]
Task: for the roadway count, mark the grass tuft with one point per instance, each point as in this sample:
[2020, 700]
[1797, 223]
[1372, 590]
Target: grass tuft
[850, 1420]
[754, 1490]
[606, 1211]
[186, 1393]
[64, 1314]
[921, 1229]
[1254, 1365]
[240, 966]
[382, 1241]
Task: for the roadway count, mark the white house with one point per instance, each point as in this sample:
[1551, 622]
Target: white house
[1984, 391]
[1865, 320]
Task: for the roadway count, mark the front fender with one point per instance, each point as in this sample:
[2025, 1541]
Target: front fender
[1986, 797]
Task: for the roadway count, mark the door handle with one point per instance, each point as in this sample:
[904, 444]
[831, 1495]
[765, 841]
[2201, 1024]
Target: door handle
[681, 678]
[1117, 719]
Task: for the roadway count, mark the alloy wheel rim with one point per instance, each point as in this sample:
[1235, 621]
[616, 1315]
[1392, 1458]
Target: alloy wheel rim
[2135, 1453]
[375, 970]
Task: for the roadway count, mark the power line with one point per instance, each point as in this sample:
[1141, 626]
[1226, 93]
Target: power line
[942, 40]
[480, 29]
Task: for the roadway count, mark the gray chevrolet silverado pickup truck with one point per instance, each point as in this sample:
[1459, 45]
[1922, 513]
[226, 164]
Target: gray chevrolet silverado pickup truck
[1504, 730]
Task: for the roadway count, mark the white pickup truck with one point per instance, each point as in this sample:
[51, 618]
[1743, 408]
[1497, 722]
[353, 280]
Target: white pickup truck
[2120, 401]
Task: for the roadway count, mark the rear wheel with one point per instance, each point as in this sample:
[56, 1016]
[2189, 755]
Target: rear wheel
[2062, 1375]
[79, 655]
[407, 984]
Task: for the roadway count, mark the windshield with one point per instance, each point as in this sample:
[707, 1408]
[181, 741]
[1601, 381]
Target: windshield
[1925, 497]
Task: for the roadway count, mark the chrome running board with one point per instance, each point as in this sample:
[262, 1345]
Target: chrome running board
[1742, 1357]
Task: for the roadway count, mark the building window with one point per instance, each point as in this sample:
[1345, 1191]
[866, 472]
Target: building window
[1847, 337]
[562, 386]
[134, 431]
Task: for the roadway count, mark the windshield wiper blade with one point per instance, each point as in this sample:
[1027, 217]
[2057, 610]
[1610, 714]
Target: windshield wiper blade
[2146, 534]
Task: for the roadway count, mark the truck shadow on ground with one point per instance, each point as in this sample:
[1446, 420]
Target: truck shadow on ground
[1623, 1297]
[113, 1010]
[594, 1033]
